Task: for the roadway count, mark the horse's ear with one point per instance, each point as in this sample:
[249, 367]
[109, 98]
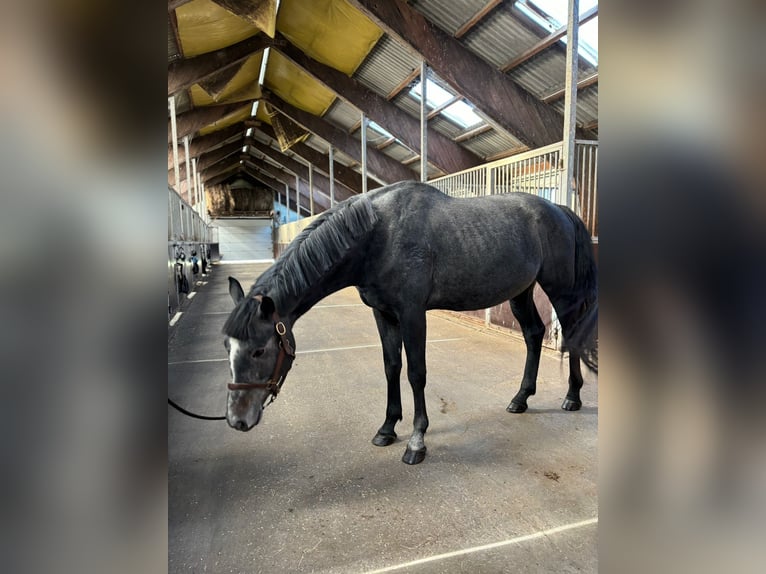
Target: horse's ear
[267, 308]
[235, 290]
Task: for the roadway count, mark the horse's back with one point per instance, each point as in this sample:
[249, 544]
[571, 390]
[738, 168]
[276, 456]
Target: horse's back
[460, 253]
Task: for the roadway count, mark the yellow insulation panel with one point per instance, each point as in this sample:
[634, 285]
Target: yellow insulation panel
[204, 26]
[242, 87]
[295, 86]
[262, 114]
[233, 118]
[330, 31]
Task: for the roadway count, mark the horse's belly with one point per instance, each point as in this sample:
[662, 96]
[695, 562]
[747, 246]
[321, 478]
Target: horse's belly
[468, 297]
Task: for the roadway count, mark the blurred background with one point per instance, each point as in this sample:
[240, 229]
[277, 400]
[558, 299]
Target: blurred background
[682, 272]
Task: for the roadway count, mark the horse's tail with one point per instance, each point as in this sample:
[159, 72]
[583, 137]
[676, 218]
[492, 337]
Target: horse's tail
[583, 332]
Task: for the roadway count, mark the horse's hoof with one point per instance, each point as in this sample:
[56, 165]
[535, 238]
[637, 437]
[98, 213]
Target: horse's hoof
[516, 407]
[383, 439]
[570, 405]
[414, 456]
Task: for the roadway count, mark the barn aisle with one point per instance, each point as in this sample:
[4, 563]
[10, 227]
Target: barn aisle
[306, 491]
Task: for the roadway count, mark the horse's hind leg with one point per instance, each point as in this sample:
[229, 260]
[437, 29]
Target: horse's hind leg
[533, 328]
[567, 312]
[391, 339]
[572, 401]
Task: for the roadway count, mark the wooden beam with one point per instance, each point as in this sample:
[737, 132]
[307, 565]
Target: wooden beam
[385, 168]
[345, 175]
[183, 74]
[442, 152]
[219, 179]
[290, 164]
[219, 169]
[192, 121]
[470, 134]
[476, 18]
[211, 158]
[495, 94]
[281, 176]
[173, 4]
[415, 73]
[546, 42]
[278, 187]
[558, 94]
[200, 145]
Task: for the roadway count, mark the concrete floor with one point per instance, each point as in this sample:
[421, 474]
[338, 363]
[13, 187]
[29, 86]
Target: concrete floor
[306, 491]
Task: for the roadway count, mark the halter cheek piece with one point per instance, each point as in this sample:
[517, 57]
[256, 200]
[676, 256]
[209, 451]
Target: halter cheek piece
[284, 361]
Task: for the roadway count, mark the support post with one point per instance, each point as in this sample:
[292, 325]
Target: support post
[174, 135]
[363, 127]
[195, 179]
[332, 178]
[311, 189]
[423, 123]
[297, 198]
[287, 199]
[570, 104]
[188, 170]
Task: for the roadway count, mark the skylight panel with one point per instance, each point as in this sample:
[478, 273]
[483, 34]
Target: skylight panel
[375, 127]
[435, 94]
[462, 114]
[552, 15]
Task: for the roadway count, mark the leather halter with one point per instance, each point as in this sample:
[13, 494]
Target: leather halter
[277, 379]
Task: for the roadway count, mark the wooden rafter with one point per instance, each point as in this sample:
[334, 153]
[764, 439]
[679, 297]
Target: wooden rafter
[200, 145]
[320, 181]
[384, 167]
[185, 73]
[495, 94]
[442, 152]
[476, 18]
[345, 175]
[546, 42]
[192, 121]
[558, 94]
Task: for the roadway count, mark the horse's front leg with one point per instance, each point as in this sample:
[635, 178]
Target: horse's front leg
[414, 337]
[391, 339]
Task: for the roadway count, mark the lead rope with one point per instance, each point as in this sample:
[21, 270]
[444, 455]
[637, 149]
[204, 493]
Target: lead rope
[194, 415]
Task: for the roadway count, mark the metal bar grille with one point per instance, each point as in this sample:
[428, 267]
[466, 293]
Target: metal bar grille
[538, 172]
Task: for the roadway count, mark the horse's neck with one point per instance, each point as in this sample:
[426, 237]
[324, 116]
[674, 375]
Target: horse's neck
[294, 305]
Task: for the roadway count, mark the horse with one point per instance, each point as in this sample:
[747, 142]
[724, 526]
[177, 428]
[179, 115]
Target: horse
[407, 248]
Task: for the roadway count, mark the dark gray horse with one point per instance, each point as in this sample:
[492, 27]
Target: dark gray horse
[408, 248]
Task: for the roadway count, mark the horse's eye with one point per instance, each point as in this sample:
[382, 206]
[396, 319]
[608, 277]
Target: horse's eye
[258, 352]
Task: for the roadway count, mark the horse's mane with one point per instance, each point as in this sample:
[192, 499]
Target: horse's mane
[308, 258]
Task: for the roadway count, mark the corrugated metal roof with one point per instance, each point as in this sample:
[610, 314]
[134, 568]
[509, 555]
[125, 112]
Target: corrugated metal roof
[342, 115]
[500, 39]
[491, 143]
[387, 65]
[449, 15]
[546, 72]
[587, 105]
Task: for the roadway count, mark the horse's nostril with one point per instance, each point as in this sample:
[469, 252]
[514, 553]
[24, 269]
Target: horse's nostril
[240, 425]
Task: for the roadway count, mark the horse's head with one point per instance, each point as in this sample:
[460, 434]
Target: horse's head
[261, 351]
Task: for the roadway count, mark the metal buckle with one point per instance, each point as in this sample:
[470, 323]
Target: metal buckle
[284, 329]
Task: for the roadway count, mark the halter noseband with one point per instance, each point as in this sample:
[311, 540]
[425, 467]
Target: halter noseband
[277, 379]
